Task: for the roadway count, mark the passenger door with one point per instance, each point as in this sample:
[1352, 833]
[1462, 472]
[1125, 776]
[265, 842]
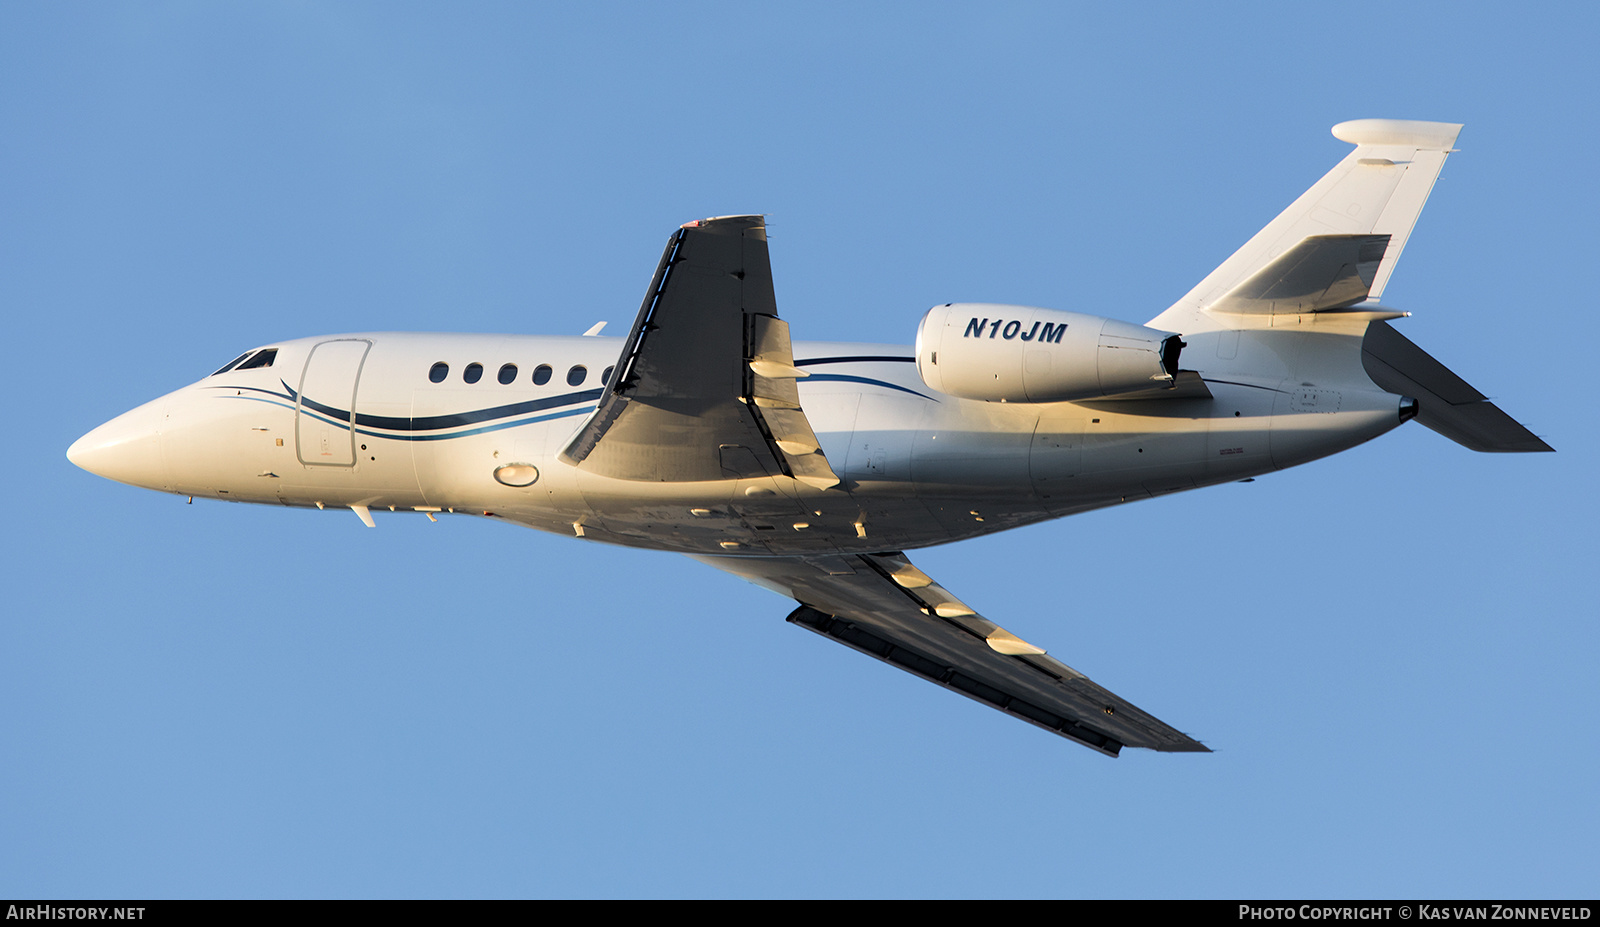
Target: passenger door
[324, 408]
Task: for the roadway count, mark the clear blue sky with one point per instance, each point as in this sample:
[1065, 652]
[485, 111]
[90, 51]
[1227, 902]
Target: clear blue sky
[1392, 651]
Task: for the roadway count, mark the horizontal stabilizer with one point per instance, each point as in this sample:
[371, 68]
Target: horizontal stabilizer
[1445, 402]
[1321, 272]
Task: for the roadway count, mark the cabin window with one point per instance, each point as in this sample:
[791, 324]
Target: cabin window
[264, 359]
[541, 374]
[508, 373]
[438, 372]
[576, 375]
[233, 363]
[473, 373]
[605, 376]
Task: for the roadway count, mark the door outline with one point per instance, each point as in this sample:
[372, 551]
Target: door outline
[304, 420]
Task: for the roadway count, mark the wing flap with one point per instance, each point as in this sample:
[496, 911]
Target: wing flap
[775, 400]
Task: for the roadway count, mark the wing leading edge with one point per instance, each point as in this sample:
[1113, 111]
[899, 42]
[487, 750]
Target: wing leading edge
[881, 605]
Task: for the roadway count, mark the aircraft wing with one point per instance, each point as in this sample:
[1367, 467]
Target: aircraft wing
[886, 608]
[705, 387]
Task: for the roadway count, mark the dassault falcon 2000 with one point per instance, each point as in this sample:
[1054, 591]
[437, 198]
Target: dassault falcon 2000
[808, 467]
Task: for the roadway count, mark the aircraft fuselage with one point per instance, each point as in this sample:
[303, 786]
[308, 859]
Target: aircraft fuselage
[918, 467]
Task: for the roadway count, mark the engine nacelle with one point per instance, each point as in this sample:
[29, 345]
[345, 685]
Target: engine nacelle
[1021, 354]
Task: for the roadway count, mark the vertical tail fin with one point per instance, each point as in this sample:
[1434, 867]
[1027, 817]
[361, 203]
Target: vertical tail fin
[1378, 189]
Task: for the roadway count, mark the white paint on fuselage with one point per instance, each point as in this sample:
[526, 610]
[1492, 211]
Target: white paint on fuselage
[919, 467]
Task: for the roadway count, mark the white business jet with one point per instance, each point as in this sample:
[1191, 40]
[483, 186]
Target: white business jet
[808, 467]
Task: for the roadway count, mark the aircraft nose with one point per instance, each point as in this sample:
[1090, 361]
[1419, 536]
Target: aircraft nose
[127, 448]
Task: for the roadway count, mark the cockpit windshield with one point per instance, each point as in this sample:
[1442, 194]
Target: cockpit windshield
[232, 364]
[263, 358]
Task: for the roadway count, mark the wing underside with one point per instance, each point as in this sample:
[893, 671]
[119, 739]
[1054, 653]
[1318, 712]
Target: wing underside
[705, 387]
[704, 390]
[881, 605]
